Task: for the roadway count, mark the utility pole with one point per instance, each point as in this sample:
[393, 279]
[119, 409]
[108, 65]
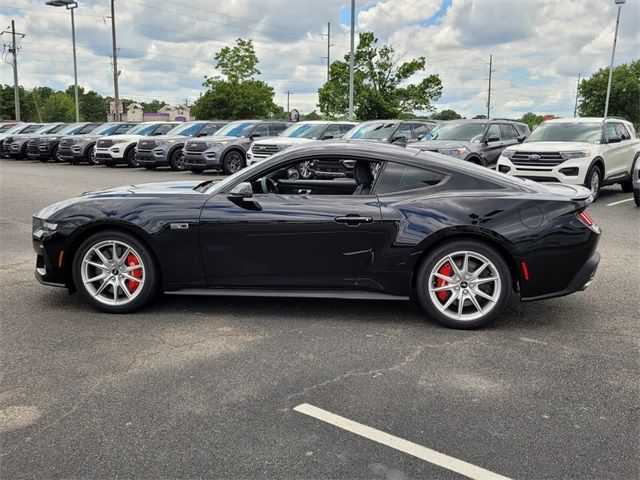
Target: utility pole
[489, 96]
[13, 50]
[575, 109]
[116, 115]
[288, 111]
[613, 54]
[328, 51]
[351, 58]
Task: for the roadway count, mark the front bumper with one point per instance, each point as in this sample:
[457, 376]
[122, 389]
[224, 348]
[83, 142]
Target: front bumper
[572, 171]
[49, 258]
[66, 154]
[157, 157]
[202, 160]
[113, 154]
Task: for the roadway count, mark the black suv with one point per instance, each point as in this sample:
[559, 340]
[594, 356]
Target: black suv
[478, 141]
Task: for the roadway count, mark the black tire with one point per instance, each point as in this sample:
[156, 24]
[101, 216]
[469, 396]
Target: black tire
[150, 167]
[232, 162]
[151, 272]
[197, 170]
[627, 185]
[54, 155]
[636, 197]
[501, 292]
[43, 159]
[90, 156]
[589, 180]
[130, 157]
[176, 160]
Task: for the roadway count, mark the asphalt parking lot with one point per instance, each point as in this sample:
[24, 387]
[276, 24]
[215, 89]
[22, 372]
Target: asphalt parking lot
[207, 387]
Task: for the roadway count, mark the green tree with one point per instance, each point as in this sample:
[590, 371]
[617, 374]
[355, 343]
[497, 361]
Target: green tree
[380, 83]
[59, 107]
[312, 116]
[447, 115]
[532, 120]
[153, 106]
[93, 107]
[625, 93]
[239, 96]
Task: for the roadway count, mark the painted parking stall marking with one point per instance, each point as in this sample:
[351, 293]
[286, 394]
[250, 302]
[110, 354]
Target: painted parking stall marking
[397, 443]
[619, 202]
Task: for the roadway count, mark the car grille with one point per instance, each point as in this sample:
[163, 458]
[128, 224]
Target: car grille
[146, 145]
[266, 150]
[33, 146]
[195, 147]
[67, 142]
[104, 143]
[542, 159]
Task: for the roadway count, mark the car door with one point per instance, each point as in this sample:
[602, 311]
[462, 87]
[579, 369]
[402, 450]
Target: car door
[627, 147]
[509, 135]
[492, 149]
[296, 239]
[614, 154]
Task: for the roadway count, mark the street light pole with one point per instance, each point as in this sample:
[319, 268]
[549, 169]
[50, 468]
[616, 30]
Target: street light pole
[613, 53]
[353, 24]
[71, 5]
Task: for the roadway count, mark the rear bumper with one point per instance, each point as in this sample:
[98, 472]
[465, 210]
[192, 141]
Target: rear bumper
[580, 281]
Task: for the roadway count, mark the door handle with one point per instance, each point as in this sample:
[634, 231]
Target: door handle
[353, 220]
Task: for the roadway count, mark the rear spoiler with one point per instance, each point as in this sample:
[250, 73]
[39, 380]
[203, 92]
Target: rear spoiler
[574, 192]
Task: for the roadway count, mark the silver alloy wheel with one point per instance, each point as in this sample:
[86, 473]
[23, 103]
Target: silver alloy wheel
[305, 169]
[472, 289]
[92, 157]
[234, 162]
[595, 182]
[179, 160]
[112, 272]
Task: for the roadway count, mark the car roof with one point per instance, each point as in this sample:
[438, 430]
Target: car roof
[587, 120]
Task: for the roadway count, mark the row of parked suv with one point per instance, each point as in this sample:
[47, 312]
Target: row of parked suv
[583, 151]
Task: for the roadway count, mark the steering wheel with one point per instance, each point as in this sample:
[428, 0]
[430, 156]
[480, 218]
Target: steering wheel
[268, 185]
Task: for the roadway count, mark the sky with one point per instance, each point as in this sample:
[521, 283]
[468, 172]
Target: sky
[167, 47]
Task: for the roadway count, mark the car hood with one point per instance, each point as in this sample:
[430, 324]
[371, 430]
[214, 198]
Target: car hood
[166, 137]
[282, 141]
[551, 146]
[126, 138]
[149, 190]
[219, 138]
[85, 136]
[434, 145]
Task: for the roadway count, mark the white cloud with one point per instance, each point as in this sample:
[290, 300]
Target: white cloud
[166, 48]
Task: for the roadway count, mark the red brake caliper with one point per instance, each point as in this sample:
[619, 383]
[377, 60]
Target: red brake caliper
[445, 270]
[132, 261]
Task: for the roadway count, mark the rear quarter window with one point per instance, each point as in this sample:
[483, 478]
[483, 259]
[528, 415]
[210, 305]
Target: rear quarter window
[398, 178]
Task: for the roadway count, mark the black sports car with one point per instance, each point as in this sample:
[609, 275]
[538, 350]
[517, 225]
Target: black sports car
[462, 237]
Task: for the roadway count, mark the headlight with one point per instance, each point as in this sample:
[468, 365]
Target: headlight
[577, 154]
[508, 153]
[49, 225]
[216, 144]
[115, 142]
[459, 152]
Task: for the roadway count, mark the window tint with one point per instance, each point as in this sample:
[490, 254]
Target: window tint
[208, 130]
[397, 178]
[345, 128]
[494, 130]
[508, 132]
[262, 130]
[622, 131]
[609, 130]
[332, 131]
[278, 128]
[419, 130]
[162, 129]
[404, 130]
[89, 128]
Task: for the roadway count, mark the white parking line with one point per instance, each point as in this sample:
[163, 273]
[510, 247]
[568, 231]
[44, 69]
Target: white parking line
[618, 203]
[423, 453]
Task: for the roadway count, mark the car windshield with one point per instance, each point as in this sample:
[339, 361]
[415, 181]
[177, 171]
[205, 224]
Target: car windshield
[380, 131]
[105, 129]
[74, 128]
[57, 128]
[47, 129]
[304, 130]
[462, 132]
[187, 129]
[143, 129]
[567, 132]
[6, 128]
[15, 129]
[236, 129]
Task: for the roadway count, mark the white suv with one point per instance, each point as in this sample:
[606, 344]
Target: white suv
[579, 151]
[114, 149]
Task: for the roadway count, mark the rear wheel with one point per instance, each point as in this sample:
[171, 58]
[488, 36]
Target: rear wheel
[593, 180]
[176, 162]
[56, 155]
[91, 156]
[464, 284]
[232, 162]
[115, 272]
[636, 197]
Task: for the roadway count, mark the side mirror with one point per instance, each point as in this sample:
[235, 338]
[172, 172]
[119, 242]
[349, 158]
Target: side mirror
[400, 139]
[256, 135]
[492, 138]
[202, 134]
[614, 139]
[241, 190]
[327, 137]
[521, 138]
[421, 136]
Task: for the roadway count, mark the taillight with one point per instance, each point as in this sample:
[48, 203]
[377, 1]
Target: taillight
[587, 221]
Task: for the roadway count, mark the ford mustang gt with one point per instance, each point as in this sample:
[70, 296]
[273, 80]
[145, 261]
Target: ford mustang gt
[408, 224]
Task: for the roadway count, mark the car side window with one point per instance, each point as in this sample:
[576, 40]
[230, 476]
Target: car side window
[332, 131]
[494, 131]
[261, 130]
[404, 130]
[207, 130]
[277, 128]
[622, 131]
[419, 130]
[345, 128]
[396, 177]
[609, 131]
[88, 128]
[508, 132]
[162, 129]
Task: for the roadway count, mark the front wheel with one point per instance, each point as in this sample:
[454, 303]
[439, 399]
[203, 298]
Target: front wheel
[55, 155]
[91, 157]
[627, 185]
[130, 157]
[115, 272]
[464, 284]
[176, 162]
[636, 197]
[593, 181]
[232, 162]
